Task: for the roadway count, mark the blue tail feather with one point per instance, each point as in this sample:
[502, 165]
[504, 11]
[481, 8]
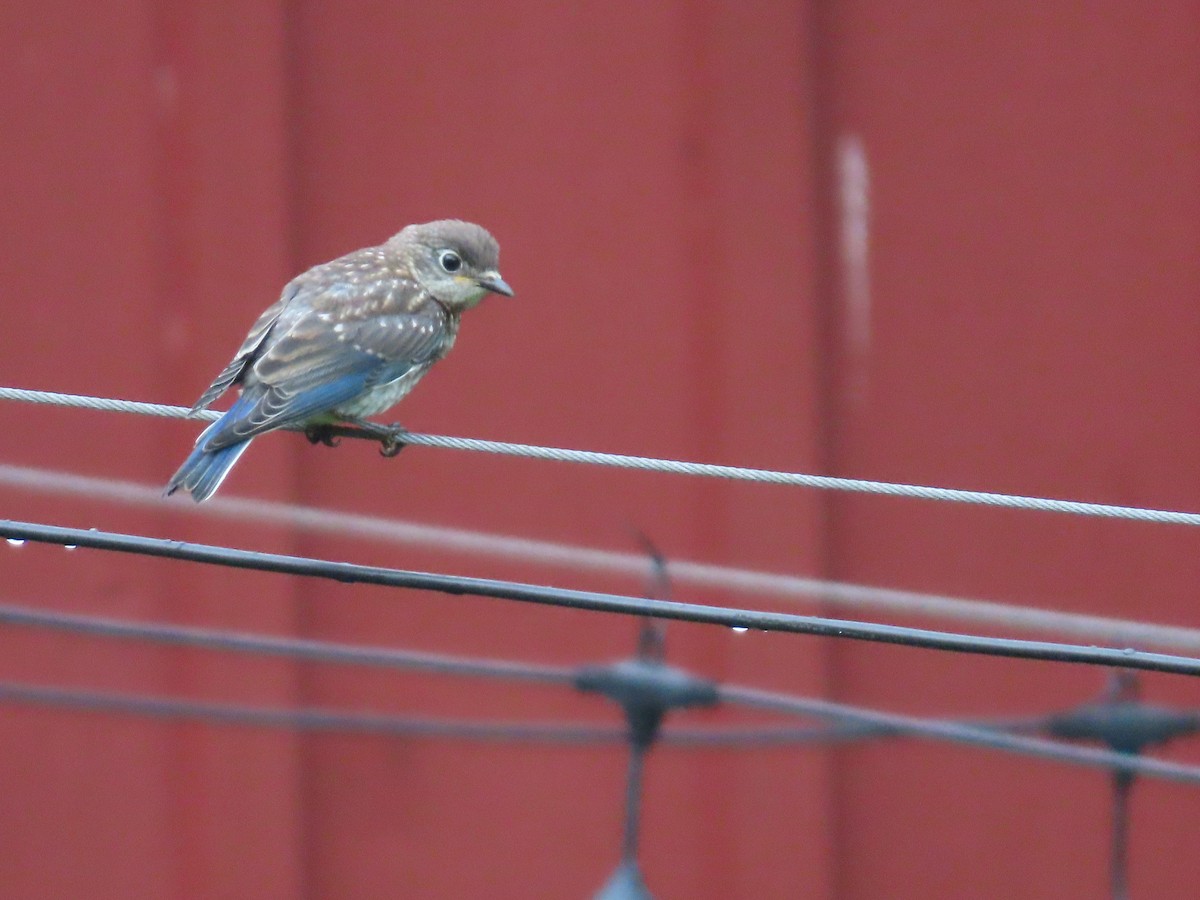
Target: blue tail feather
[204, 470]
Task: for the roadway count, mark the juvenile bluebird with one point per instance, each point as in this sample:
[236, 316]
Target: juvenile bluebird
[346, 339]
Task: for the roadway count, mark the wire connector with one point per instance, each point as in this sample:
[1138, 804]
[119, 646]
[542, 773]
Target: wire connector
[1122, 721]
[646, 690]
[1127, 725]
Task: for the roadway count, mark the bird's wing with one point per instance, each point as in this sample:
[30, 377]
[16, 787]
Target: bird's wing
[246, 353]
[334, 352]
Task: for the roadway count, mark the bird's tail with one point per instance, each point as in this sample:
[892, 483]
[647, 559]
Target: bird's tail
[204, 470]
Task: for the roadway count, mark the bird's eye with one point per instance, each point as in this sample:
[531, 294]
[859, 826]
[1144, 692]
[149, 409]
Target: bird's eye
[450, 261]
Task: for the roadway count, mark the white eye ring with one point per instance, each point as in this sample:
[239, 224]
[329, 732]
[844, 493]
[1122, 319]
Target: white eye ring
[450, 261]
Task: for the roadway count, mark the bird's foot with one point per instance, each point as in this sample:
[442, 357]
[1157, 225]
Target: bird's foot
[322, 434]
[391, 437]
[393, 441]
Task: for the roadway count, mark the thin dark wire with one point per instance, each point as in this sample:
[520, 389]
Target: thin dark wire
[679, 467]
[308, 650]
[1073, 626]
[633, 803]
[321, 651]
[308, 719]
[293, 648]
[315, 719]
[1118, 865]
[749, 738]
[587, 600]
[856, 723]
[957, 732]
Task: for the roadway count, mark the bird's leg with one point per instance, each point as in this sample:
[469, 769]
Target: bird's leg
[390, 437]
[322, 434]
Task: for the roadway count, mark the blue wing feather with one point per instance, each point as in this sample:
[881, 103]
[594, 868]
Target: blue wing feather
[262, 408]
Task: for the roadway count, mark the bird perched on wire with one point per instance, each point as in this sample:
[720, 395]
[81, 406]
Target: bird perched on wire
[346, 339]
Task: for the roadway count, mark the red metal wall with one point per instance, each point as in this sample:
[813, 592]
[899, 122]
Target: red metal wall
[1033, 329]
[949, 246]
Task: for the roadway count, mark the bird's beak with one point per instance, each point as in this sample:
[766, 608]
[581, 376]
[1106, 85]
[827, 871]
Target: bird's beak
[493, 282]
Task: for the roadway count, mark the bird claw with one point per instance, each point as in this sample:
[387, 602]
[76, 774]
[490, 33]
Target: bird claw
[393, 442]
[391, 437]
[321, 434]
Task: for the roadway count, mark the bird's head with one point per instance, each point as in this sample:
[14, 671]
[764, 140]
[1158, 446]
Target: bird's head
[457, 262]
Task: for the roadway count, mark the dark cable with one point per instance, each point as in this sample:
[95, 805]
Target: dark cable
[292, 648]
[308, 719]
[864, 726]
[1118, 864]
[613, 603]
[959, 733]
[309, 650]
